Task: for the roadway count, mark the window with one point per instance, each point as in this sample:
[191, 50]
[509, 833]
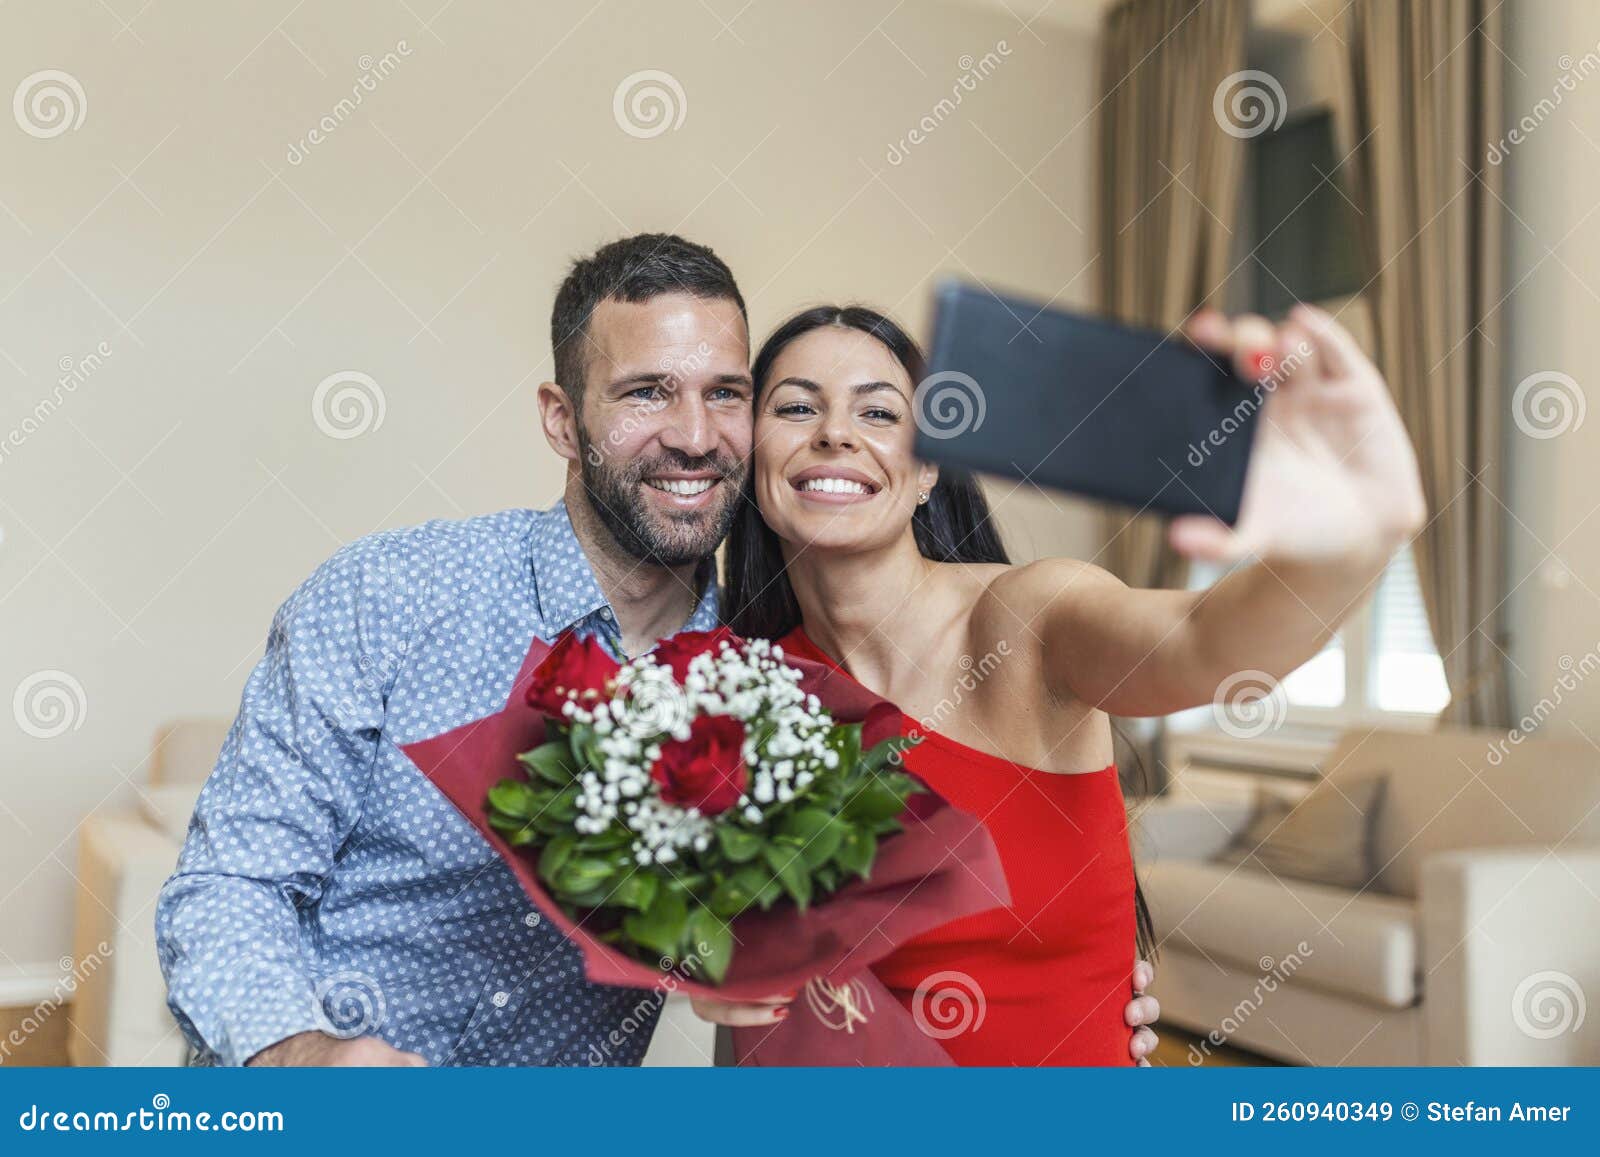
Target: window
[1407, 673]
[1381, 663]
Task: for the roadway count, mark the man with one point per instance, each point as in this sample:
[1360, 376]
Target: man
[330, 907]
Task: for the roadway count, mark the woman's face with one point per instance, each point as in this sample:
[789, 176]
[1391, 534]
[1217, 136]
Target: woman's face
[833, 437]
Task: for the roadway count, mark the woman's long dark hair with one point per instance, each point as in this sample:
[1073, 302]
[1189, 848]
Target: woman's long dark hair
[954, 525]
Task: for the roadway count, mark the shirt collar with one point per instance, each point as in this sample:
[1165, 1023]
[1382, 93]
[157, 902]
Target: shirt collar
[565, 586]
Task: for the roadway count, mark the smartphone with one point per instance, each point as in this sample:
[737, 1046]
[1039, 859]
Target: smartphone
[1081, 404]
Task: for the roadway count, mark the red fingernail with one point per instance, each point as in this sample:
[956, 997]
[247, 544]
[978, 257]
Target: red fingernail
[780, 1012]
[1261, 365]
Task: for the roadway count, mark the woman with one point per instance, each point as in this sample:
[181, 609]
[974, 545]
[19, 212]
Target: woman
[857, 554]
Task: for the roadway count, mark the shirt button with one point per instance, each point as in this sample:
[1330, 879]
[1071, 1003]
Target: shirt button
[500, 999]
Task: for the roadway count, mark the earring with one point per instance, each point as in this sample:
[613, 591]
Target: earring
[922, 498]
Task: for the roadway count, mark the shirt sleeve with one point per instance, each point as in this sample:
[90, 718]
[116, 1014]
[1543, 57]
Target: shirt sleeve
[286, 793]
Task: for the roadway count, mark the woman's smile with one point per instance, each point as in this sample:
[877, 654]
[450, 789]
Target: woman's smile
[834, 485]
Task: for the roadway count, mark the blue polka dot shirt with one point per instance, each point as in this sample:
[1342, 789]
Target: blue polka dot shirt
[325, 883]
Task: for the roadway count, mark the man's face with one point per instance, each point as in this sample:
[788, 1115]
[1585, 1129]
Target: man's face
[664, 431]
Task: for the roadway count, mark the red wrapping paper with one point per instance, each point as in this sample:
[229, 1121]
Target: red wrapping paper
[942, 867]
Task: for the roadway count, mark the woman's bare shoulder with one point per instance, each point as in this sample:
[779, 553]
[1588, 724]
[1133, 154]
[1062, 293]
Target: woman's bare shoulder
[1006, 600]
[1028, 589]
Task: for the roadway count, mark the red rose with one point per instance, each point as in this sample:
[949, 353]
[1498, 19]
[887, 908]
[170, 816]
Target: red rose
[707, 770]
[573, 666]
[684, 646]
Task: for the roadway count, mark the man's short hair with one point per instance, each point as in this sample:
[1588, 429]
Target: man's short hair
[633, 269]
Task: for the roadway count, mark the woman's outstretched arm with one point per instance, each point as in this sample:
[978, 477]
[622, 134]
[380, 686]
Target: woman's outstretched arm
[1332, 493]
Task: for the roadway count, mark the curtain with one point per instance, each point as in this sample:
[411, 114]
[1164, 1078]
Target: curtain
[1421, 103]
[1168, 189]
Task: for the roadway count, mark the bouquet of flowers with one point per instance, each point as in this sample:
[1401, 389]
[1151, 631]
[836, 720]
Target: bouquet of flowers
[720, 793]
[676, 791]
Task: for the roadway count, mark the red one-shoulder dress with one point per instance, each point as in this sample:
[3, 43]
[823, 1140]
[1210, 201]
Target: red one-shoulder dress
[1044, 981]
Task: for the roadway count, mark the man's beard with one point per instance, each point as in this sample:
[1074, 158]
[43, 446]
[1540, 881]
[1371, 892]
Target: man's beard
[615, 489]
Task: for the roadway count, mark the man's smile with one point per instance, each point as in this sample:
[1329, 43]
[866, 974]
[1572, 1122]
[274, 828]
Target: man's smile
[693, 491]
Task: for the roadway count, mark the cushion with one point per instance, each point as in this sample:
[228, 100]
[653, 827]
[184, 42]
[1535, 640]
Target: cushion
[1460, 787]
[1285, 932]
[1324, 838]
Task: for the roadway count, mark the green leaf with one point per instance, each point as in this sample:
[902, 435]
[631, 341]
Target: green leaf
[886, 750]
[710, 944]
[581, 873]
[514, 798]
[801, 825]
[856, 851]
[523, 836]
[826, 877]
[874, 800]
[552, 762]
[690, 883]
[585, 745]
[550, 826]
[816, 831]
[790, 867]
[660, 927]
[609, 840]
[562, 807]
[738, 845]
[593, 898]
[770, 893]
[740, 890]
[637, 890]
[845, 738]
[555, 854]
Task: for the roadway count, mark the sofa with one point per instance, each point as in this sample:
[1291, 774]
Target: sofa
[119, 1012]
[1476, 943]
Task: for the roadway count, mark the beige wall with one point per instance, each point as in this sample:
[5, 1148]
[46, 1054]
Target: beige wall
[1553, 185]
[155, 512]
